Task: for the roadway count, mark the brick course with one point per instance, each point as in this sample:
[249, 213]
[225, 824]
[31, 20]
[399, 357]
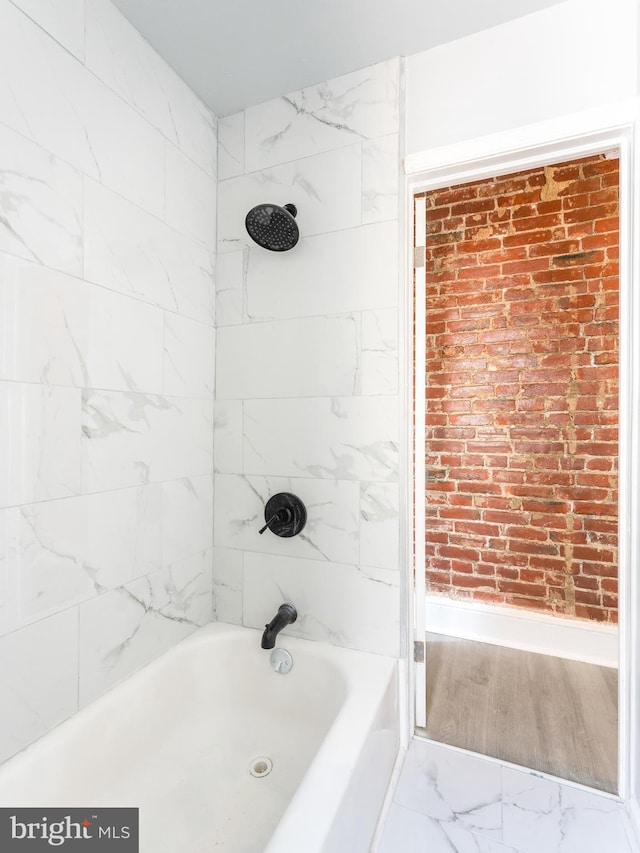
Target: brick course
[522, 389]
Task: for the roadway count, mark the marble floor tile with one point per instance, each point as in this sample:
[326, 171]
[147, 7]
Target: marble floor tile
[452, 787]
[531, 811]
[407, 831]
[539, 814]
[449, 800]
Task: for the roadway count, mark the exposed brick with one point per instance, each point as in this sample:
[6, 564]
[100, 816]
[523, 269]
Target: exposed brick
[461, 581]
[522, 367]
[526, 533]
[530, 590]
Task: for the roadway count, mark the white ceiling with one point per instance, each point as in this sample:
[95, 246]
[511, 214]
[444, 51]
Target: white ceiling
[241, 52]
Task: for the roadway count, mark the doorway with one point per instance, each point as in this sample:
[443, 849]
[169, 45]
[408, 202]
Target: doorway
[521, 372]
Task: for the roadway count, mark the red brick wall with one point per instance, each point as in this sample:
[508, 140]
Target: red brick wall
[522, 383]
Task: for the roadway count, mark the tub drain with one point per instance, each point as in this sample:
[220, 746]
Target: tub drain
[260, 767]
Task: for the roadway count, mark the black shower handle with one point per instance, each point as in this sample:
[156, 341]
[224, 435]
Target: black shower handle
[283, 515]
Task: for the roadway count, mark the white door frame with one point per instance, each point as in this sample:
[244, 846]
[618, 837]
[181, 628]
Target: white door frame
[567, 138]
[419, 442]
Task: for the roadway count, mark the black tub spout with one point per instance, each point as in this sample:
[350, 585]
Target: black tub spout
[285, 616]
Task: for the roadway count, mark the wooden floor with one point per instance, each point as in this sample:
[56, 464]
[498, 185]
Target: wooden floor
[550, 714]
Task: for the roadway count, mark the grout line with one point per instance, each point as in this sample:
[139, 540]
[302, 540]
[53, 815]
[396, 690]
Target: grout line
[320, 153]
[525, 771]
[90, 283]
[79, 495]
[127, 391]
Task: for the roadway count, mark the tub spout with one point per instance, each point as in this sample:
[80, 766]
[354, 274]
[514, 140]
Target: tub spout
[285, 616]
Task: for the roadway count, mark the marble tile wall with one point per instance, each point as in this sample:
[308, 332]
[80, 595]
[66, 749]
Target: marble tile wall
[107, 346]
[307, 362]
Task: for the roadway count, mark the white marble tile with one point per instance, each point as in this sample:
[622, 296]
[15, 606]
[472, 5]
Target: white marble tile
[62, 19]
[58, 553]
[59, 330]
[17, 36]
[464, 841]
[196, 127]
[37, 691]
[230, 279]
[40, 456]
[119, 56]
[380, 178]
[590, 823]
[453, 788]
[227, 585]
[231, 146]
[135, 171]
[326, 190]
[344, 438]
[45, 550]
[129, 439]
[189, 357]
[128, 250]
[468, 842]
[379, 355]
[124, 343]
[124, 534]
[539, 814]
[347, 109]
[40, 205]
[49, 97]
[331, 531]
[188, 588]
[450, 800]
[407, 831]
[187, 517]
[531, 811]
[336, 603]
[306, 357]
[8, 583]
[190, 198]
[379, 525]
[43, 324]
[188, 439]
[352, 270]
[227, 436]
[126, 628]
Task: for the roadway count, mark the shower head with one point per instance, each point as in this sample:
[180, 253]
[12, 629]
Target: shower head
[273, 227]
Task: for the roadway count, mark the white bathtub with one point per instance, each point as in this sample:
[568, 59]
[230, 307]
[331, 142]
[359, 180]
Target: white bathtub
[177, 740]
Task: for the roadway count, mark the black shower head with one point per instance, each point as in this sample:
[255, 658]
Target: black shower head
[273, 227]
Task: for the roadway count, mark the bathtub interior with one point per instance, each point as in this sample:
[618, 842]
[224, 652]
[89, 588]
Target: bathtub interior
[178, 740]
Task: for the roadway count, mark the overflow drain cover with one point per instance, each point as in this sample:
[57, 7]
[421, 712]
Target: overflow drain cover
[260, 767]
